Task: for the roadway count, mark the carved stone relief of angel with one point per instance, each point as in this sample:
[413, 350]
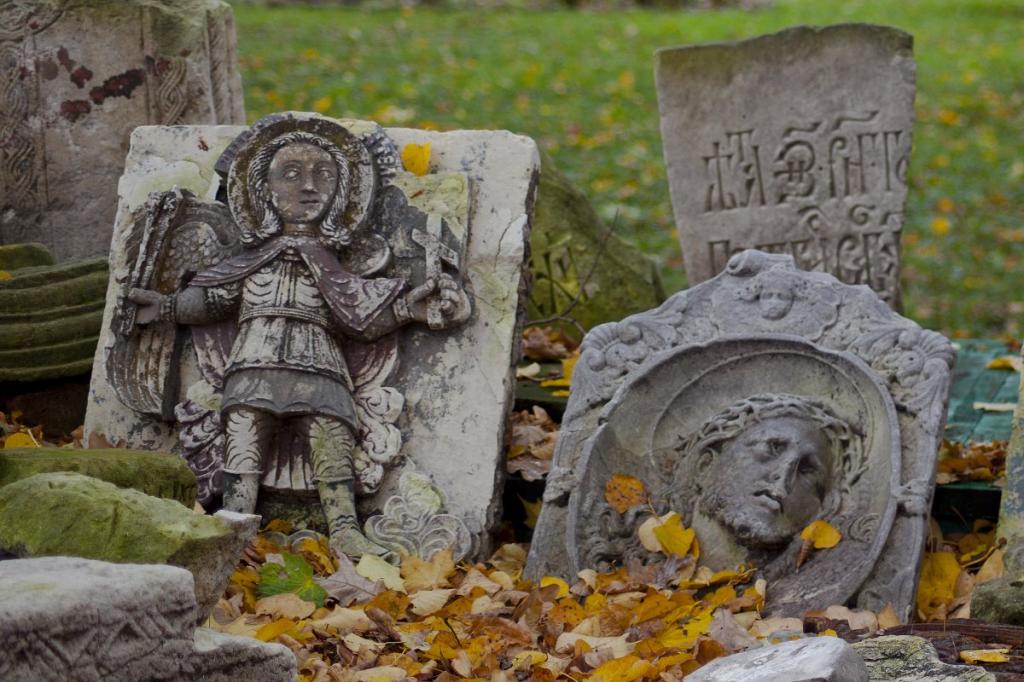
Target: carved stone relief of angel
[289, 292]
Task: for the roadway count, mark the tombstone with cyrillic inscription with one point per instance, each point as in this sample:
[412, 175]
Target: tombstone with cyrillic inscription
[796, 142]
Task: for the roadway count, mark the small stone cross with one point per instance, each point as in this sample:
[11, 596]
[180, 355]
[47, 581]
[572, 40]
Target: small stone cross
[435, 255]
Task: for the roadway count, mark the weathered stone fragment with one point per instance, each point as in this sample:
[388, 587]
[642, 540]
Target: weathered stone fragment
[797, 143]
[49, 317]
[1000, 600]
[159, 474]
[71, 514]
[902, 658]
[227, 658]
[764, 369]
[566, 239]
[435, 401]
[78, 77]
[79, 620]
[820, 659]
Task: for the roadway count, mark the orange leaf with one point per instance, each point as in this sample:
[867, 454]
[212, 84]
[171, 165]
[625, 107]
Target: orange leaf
[625, 669]
[937, 586]
[624, 492]
[563, 587]
[427, 575]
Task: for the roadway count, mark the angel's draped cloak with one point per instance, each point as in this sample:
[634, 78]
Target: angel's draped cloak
[295, 305]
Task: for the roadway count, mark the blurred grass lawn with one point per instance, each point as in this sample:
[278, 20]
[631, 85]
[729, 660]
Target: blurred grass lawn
[582, 85]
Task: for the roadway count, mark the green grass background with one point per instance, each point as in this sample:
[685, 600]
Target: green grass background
[581, 83]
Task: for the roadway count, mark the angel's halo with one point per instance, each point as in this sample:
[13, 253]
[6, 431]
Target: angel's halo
[363, 181]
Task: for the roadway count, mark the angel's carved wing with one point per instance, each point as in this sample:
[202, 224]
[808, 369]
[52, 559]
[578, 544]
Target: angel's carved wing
[174, 237]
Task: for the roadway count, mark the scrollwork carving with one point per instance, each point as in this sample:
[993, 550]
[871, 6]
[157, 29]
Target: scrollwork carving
[415, 522]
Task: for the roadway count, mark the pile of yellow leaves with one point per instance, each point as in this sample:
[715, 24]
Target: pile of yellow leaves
[974, 462]
[953, 566]
[436, 620]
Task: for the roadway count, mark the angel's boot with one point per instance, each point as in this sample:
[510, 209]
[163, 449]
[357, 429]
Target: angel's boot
[331, 445]
[339, 502]
[240, 492]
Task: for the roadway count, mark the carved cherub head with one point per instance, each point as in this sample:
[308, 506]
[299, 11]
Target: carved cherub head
[300, 178]
[767, 466]
[775, 291]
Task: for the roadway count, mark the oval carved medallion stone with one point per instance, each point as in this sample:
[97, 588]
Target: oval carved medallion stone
[705, 429]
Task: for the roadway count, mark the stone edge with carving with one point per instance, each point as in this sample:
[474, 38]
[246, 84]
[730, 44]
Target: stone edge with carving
[914, 363]
[78, 619]
[796, 46]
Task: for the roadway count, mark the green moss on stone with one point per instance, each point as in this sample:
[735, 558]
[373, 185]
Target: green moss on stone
[18, 256]
[88, 288]
[566, 237]
[160, 474]
[50, 319]
[68, 514]
[42, 275]
[29, 374]
[83, 326]
[913, 659]
[49, 356]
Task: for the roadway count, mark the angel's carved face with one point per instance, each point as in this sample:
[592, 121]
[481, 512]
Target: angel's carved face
[303, 179]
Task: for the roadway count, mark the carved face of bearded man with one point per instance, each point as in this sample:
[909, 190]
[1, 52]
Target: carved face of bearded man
[764, 468]
[769, 481]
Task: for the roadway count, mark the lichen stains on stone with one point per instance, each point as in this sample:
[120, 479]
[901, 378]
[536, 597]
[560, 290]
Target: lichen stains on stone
[74, 109]
[157, 66]
[121, 85]
[65, 59]
[81, 76]
[47, 68]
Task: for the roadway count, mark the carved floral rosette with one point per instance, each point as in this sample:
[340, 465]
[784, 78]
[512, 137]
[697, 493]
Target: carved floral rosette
[414, 521]
[913, 365]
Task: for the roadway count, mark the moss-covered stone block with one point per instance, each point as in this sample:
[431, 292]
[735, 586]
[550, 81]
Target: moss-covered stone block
[904, 658]
[50, 318]
[159, 474]
[17, 256]
[68, 514]
[64, 513]
[567, 236]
